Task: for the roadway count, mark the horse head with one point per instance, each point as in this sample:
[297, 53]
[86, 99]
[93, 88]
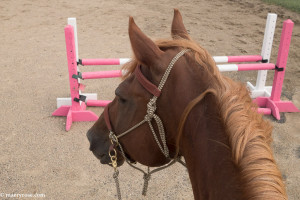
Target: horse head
[129, 106]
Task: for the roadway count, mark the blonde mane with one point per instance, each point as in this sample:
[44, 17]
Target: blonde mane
[249, 135]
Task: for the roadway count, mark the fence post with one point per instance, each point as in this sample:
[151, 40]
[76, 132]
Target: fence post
[260, 89]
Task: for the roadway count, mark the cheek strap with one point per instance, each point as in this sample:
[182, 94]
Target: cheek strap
[106, 118]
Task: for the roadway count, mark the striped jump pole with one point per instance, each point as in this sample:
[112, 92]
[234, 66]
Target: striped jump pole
[102, 74]
[245, 67]
[217, 59]
[222, 68]
[233, 59]
[107, 61]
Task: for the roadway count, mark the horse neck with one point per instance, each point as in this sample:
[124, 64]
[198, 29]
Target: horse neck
[205, 147]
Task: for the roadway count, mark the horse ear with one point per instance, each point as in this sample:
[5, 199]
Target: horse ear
[145, 50]
[178, 28]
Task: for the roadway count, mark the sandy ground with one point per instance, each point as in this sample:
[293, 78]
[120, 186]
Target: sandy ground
[37, 155]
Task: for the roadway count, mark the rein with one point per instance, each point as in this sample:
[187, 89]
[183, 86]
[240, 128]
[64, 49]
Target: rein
[151, 108]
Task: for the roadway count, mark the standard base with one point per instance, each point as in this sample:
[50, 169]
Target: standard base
[265, 92]
[268, 106]
[75, 116]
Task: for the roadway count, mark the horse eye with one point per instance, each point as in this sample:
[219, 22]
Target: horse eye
[121, 100]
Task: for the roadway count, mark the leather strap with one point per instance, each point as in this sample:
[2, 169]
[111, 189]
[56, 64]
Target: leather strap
[150, 87]
[106, 118]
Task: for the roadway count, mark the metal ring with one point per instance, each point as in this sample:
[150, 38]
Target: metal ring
[113, 156]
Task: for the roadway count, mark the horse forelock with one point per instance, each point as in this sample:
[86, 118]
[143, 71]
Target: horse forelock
[249, 135]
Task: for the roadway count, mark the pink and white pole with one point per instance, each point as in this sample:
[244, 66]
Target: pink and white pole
[218, 59]
[107, 61]
[245, 67]
[234, 59]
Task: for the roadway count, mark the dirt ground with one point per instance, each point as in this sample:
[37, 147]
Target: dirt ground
[38, 156]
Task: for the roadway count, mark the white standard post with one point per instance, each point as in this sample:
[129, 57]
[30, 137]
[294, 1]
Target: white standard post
[260, 89]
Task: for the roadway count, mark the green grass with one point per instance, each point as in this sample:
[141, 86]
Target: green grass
[293, 5]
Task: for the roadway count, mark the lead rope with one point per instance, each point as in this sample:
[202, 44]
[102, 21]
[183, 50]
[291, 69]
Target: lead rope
[114, 163]
[115, 176]
[147, 175]
[151, 108]
[146, 182]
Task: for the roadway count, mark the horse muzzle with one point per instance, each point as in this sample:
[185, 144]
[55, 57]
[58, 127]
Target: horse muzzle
[100, 149]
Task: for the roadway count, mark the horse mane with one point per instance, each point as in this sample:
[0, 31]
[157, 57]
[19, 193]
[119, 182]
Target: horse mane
[249, 135]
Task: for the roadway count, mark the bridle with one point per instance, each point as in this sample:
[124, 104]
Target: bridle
[151, 108]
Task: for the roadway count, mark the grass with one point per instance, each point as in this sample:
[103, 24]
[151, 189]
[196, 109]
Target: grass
[293, 5]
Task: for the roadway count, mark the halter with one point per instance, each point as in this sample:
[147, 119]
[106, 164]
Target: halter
[151, 108]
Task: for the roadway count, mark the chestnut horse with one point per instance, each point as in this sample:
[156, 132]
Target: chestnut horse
[174, 102]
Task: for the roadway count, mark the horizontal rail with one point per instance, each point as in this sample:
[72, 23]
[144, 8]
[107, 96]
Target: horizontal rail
[218, 59]
[222, 68]
[265, 111]
[245, 67]
[101, 103]
[101, 74]
[230, 59]
[104, 61]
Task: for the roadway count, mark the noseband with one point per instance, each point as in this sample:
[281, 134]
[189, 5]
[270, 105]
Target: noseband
[151, 108]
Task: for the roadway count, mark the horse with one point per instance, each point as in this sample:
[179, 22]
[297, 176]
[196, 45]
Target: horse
[173, 102]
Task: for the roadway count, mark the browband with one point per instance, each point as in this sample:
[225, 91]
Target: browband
[150, 87]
